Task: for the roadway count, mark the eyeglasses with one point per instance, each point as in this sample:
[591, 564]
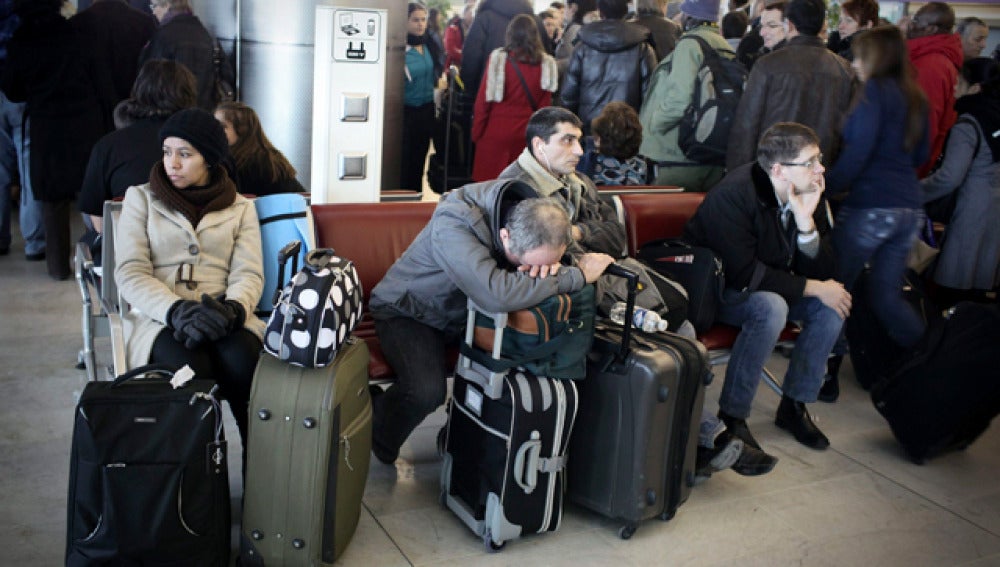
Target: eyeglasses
[816, 161]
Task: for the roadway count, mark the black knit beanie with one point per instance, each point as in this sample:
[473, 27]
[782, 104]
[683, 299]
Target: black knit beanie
[200, 129]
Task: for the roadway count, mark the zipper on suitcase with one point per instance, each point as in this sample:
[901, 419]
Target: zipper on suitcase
[483, 425]
[557, 387]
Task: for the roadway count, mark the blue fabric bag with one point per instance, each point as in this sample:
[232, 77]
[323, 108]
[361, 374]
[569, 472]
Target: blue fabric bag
[283, 217]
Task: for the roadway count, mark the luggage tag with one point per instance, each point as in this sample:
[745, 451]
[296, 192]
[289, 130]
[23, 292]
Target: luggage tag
[182, 376]
[216, 456]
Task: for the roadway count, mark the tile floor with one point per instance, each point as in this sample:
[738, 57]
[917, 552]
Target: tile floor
[859, 503]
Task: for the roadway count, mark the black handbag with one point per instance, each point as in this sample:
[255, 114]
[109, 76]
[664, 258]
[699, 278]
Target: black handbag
[697, 269]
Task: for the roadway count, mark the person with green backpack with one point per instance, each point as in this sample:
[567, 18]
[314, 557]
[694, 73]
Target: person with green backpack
[673, 91]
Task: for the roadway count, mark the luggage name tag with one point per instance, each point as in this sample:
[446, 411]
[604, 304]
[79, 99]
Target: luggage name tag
[215, 456]
[182, 376]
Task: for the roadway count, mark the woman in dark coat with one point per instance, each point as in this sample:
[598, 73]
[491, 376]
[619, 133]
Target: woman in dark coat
[49, 68]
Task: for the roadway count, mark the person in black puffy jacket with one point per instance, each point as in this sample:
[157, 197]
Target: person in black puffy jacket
[612, 61]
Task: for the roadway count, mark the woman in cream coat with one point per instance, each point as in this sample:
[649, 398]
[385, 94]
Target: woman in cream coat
[189, 263]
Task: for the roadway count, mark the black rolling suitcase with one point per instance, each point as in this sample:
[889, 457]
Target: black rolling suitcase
[505, 449]
[632, 456]
[947, 393]
[148, 475]
[874, 355]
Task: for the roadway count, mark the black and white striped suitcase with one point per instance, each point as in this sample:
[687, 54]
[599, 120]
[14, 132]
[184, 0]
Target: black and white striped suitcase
[505, 451]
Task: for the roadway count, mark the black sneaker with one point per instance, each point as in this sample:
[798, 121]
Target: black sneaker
[754, 462]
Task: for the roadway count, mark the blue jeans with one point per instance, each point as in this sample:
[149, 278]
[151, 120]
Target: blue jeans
[882, 238]
[14, 156]
[761, 316]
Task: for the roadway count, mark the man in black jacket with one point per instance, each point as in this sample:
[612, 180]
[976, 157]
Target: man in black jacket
[613, 60]
[769, 223]
[116, 34]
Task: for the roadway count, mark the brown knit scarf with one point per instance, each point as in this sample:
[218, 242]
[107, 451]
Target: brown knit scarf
[194, 202]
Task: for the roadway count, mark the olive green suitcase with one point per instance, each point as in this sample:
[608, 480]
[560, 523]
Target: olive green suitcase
[307, 459]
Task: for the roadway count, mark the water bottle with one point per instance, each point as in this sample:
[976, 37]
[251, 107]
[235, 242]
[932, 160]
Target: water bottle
[648, 321]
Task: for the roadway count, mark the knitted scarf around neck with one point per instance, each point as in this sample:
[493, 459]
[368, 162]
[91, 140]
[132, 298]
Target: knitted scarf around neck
[194, 202]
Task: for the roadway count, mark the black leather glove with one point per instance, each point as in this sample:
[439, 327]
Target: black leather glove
[232, 310]
[195, 324]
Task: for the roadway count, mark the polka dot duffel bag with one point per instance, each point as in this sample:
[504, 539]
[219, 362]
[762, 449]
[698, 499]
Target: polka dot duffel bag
[316, 311]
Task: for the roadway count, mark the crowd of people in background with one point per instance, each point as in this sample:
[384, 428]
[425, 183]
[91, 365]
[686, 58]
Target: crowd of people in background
[840, 141]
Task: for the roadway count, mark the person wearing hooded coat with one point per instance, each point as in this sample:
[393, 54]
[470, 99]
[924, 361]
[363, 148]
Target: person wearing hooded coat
[472, 248]
[613, 60]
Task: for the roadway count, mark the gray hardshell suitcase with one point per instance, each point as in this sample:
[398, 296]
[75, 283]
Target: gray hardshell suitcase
[633, 455]
[307, 463]
[505, 447]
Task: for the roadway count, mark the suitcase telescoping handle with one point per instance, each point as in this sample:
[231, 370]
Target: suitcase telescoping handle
[166, 371]
[632, 287]
[288, 251]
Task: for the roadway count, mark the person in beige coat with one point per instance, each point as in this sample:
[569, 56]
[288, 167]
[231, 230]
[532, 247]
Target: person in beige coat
[189, 263]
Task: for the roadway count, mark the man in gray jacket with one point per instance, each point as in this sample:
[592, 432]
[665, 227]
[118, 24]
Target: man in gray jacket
[496, 243]
[548, 165]
[802, 82]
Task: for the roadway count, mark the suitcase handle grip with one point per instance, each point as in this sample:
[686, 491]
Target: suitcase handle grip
[526, 463]
[288, 251]
[157, 368]
[632, 287]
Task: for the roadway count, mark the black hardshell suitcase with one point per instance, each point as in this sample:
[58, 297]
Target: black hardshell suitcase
[633, 455]
[945, 396]
[149, 483]
[505, 449]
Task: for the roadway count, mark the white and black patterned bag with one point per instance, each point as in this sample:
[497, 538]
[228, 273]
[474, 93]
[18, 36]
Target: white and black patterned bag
[316, 311]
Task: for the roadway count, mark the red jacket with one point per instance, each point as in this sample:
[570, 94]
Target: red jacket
[498, 127]
[937, 59]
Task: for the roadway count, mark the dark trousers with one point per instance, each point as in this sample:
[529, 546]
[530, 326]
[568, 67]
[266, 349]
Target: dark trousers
[55, 217]
[418, 125]
[417, 354]
[230, 361]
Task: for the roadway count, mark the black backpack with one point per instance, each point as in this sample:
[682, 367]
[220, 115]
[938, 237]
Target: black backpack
[704, 129]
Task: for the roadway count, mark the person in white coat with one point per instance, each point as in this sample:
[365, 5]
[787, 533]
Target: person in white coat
[189, 263]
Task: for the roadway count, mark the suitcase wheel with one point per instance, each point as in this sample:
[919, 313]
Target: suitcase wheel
[626, 531]
[488, 543]
[667, 516]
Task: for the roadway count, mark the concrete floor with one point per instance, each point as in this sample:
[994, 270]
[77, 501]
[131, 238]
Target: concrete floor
[859, 503]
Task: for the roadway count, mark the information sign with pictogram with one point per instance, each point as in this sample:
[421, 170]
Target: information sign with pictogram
[356, 36]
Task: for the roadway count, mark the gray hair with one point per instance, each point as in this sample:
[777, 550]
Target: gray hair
[538, 222]
[965, 24]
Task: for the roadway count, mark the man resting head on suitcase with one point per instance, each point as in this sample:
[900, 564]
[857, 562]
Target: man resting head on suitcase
[496, 243]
